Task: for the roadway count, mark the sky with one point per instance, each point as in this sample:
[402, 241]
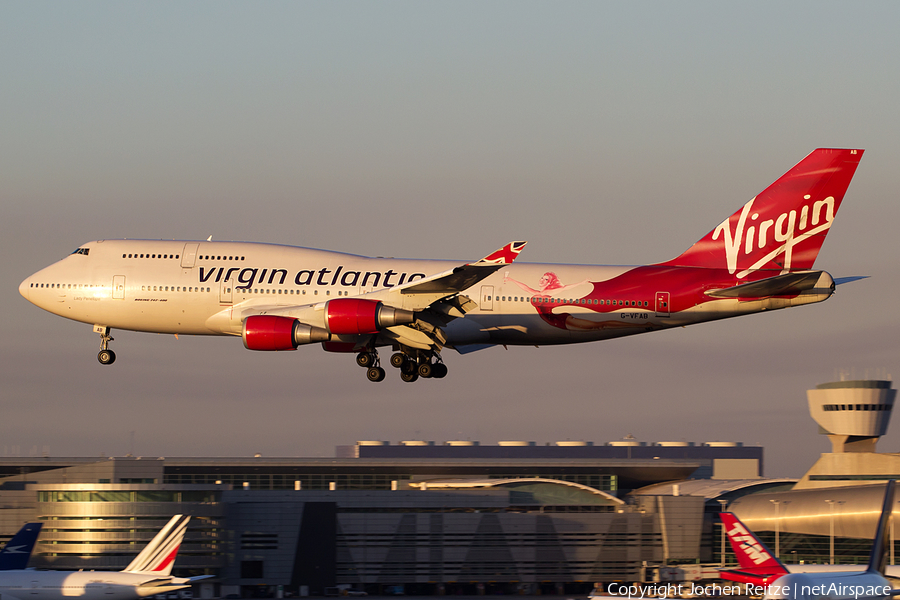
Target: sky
[601, 132]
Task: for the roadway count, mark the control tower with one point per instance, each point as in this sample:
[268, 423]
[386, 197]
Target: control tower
[853, 414]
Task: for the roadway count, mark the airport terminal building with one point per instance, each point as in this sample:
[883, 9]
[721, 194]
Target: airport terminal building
[430, 517]
[460, 517]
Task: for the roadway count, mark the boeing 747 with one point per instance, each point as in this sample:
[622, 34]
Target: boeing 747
[277, 297]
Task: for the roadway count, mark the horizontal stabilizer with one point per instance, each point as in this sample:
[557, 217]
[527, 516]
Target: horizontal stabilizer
[790, 284]
[843, 280]
[749, 576]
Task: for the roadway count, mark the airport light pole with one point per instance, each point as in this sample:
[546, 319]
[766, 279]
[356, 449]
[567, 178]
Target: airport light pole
[892, 537]
[723, 504]
[830, 503]
[777, 504]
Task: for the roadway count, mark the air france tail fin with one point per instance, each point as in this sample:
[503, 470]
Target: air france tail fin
[17, 551]
[158, 556]
[878, 558]
[782, 228]
[756, 563]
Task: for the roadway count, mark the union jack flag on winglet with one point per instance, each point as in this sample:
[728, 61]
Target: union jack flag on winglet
[504, 256]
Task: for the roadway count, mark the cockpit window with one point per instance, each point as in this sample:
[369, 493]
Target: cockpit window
[84, 251]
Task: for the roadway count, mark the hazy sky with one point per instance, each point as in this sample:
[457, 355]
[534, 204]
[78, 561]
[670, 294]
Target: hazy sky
[601, 132]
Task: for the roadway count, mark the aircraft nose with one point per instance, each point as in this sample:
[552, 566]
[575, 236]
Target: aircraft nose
[24, 288]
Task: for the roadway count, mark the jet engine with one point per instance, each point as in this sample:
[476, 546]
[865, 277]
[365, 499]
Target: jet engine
[267, 332]
[355, 316]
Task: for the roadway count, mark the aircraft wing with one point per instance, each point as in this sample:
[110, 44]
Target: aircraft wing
[790, 284]
[430, 303]
[465, 276]
[436, 300]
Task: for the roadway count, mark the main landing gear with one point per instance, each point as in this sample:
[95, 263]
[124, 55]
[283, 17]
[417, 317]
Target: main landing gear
[105, 356]
[369, 361]
[411, 366]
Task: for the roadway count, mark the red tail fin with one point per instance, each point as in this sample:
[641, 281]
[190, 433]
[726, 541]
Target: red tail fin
[750, 552]
[782, 228]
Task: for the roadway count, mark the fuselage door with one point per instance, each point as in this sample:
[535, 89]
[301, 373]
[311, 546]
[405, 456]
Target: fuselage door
[189, 255]
[226, 291]
[487, 298]
[118, 287]
[662, 304]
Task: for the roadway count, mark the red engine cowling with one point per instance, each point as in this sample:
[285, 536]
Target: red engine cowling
[354, 316]
[271, 333]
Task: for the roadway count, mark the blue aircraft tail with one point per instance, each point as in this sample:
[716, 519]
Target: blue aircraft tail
[17, 551]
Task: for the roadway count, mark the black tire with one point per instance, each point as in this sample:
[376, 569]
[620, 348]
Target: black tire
[439, 371]
[365, 359]
[106, 357]
[398, 359]
[375, 374]
[409, 367]
[409, 377]
[426, 370]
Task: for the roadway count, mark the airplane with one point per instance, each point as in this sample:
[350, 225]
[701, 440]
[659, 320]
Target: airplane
[759, 567]
[17, 551]
[148, 574]
[756, 561]
[278, 297]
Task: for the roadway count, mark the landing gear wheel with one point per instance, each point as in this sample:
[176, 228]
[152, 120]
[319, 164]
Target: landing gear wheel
[398, 359]
[439, 370]
[106, 357]
[408, 367]
[426, 370]
[375, 374]
[409, 377]
[365, 359]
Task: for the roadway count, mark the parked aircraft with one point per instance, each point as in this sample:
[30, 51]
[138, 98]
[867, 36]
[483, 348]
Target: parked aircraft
[759, 567]
[280, 297]
[17, 551]
[148, 574]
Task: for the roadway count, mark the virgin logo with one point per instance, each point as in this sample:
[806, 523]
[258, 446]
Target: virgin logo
[762, 241]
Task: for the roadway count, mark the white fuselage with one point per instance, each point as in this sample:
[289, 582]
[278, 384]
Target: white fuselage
[864, 585]
[84, 585]
[209, 288]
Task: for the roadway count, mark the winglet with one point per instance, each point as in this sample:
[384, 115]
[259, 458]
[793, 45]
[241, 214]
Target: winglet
[503, 256]
[878, 558]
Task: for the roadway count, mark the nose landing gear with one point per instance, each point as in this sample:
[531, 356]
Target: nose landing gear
[105, 356]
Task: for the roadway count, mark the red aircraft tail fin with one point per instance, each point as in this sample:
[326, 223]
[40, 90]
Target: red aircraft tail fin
[752, 555]
[782, 228]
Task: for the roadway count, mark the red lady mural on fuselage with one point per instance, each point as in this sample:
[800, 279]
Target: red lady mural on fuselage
[545, 298]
